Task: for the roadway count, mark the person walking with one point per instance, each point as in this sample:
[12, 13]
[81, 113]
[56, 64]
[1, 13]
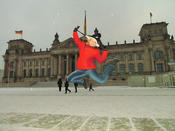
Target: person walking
[66, 84]
[75, 85]
[90, 87]
[59, 84]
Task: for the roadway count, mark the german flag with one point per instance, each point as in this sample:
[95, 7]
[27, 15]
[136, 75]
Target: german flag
[19, 32]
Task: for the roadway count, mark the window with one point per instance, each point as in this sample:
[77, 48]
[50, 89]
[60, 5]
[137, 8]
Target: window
[49, 62]
[139, 56]
[150, 32]
[30, 73]
[131, 68]
[43, 62]
[122, 68]
[130, 57]
[11, 64]
[161, 31]
[158, 54]
[36, 62]
[122, 58]
[155, 32]
[43, 72]
[140, 67]
[30, 63]
[160, 67]
[115, 71]
[24, 63]
[36, 72]
[24, 73]
[49, 72]
[174, 52]
[11, 74]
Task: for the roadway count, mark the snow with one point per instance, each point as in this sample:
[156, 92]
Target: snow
[104, 101]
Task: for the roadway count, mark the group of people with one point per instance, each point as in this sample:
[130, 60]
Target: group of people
[66, 85]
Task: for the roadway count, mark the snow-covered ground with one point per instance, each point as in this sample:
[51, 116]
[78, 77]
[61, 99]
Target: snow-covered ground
[107, 107]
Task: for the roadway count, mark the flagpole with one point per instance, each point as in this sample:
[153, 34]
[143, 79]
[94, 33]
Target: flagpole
[84, 36]
[150, 17]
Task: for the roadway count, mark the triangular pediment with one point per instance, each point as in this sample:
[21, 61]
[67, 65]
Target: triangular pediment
[67, 44]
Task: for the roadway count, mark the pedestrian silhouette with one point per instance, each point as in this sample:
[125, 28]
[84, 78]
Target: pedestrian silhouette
[66, 84]
[75, 85]
[59, 84]
[90, 87]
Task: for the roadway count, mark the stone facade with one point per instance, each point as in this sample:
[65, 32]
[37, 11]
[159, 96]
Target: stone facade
[149, 56]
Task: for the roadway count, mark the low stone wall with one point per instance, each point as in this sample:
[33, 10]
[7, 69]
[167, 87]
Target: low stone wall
[157, 80]
[18, 84]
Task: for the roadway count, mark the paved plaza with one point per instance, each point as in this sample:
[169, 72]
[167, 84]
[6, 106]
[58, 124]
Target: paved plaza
[105, 109]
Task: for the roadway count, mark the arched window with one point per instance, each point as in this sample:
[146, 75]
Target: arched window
[140, 67]
[158, 54]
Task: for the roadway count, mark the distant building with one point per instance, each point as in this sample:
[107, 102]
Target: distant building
[149, 56]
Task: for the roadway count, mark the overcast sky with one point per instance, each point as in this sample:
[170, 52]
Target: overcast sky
[117, 20]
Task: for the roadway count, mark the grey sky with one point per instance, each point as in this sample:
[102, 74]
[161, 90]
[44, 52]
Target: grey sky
[117, 20]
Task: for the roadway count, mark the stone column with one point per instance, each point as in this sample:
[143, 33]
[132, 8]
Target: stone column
[27, 71]
[59, 65]
[55, 65]
[6, 68]
[152, 60]
[126, 63]
[46, 67]
[52, 66]
[135, 62]
[167, 53]
[16, 70]
[147, 61]
[70, 63]
[67, 64]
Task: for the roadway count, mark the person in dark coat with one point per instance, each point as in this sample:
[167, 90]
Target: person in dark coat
[59, 84]
[75, 85]
[90, 87]
[66, 84]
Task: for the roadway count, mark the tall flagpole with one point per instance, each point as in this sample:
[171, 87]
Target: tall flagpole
[84, 36]
[151, 17]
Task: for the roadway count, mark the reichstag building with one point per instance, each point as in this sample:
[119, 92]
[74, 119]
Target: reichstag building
[149, 56]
